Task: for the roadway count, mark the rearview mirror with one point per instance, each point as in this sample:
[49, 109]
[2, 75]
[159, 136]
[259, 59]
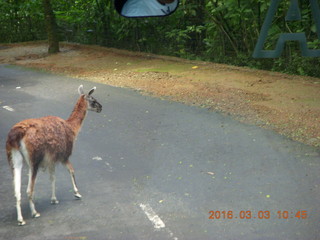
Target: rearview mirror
[146, 8]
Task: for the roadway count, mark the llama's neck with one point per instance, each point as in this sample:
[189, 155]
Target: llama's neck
[78, 115]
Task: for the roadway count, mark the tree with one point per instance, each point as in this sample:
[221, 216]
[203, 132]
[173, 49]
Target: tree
[51, 26]
[195, 19]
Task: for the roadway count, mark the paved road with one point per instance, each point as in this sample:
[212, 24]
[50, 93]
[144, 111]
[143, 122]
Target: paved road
[154, 169]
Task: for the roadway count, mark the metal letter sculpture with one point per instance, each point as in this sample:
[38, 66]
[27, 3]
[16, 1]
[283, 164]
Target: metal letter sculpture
[292, 15]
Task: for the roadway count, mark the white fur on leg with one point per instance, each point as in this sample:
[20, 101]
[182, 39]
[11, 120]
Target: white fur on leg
[30, 193]
[77, 195]
[54, 199]
[75, 189]
[17, 161]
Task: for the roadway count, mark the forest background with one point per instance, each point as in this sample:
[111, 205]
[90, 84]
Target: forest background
[222, 31]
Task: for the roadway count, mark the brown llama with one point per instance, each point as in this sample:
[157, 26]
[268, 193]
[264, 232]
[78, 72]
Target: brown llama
[44, 142]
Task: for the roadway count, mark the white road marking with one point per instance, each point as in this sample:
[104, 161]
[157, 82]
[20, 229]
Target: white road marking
[156, 220]
[97, 158]
[153, 217]
[8, 108]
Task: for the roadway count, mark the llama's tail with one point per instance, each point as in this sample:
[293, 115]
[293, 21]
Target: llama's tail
[13, 141]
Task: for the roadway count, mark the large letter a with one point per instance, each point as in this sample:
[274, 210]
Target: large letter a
[300, 37]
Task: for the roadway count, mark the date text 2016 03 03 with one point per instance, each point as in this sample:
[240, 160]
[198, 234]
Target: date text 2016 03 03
[261, 214]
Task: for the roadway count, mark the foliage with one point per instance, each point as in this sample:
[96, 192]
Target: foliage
[224, 31]
[21, 21]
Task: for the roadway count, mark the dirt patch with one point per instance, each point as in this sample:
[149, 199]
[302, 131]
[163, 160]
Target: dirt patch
[287, 104]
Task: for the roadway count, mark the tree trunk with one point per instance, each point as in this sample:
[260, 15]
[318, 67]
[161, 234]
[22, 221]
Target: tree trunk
[51, 25]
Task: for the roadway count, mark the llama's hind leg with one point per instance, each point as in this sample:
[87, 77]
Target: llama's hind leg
[73, 180]
[30, 191]
[54, 199]
[17, 161]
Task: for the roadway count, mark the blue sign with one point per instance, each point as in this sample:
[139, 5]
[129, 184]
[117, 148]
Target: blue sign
[294, 14]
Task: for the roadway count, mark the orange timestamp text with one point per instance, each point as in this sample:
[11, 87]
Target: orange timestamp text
[262, 214]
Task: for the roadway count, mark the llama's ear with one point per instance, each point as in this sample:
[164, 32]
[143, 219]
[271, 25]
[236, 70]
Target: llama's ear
[92, 90]
[80, 90]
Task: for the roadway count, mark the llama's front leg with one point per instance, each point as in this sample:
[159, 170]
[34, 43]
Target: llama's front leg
[30, 191]
[73, 180]
[54, 199]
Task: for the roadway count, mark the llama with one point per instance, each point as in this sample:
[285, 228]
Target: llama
[42, 143]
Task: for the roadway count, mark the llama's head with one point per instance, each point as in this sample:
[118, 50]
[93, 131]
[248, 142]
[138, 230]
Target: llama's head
[93, 104]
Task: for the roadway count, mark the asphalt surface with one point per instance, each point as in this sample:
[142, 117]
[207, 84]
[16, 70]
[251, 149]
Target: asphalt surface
[154, 169]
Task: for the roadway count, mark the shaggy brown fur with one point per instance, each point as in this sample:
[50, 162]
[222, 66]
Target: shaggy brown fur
[48, 135]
